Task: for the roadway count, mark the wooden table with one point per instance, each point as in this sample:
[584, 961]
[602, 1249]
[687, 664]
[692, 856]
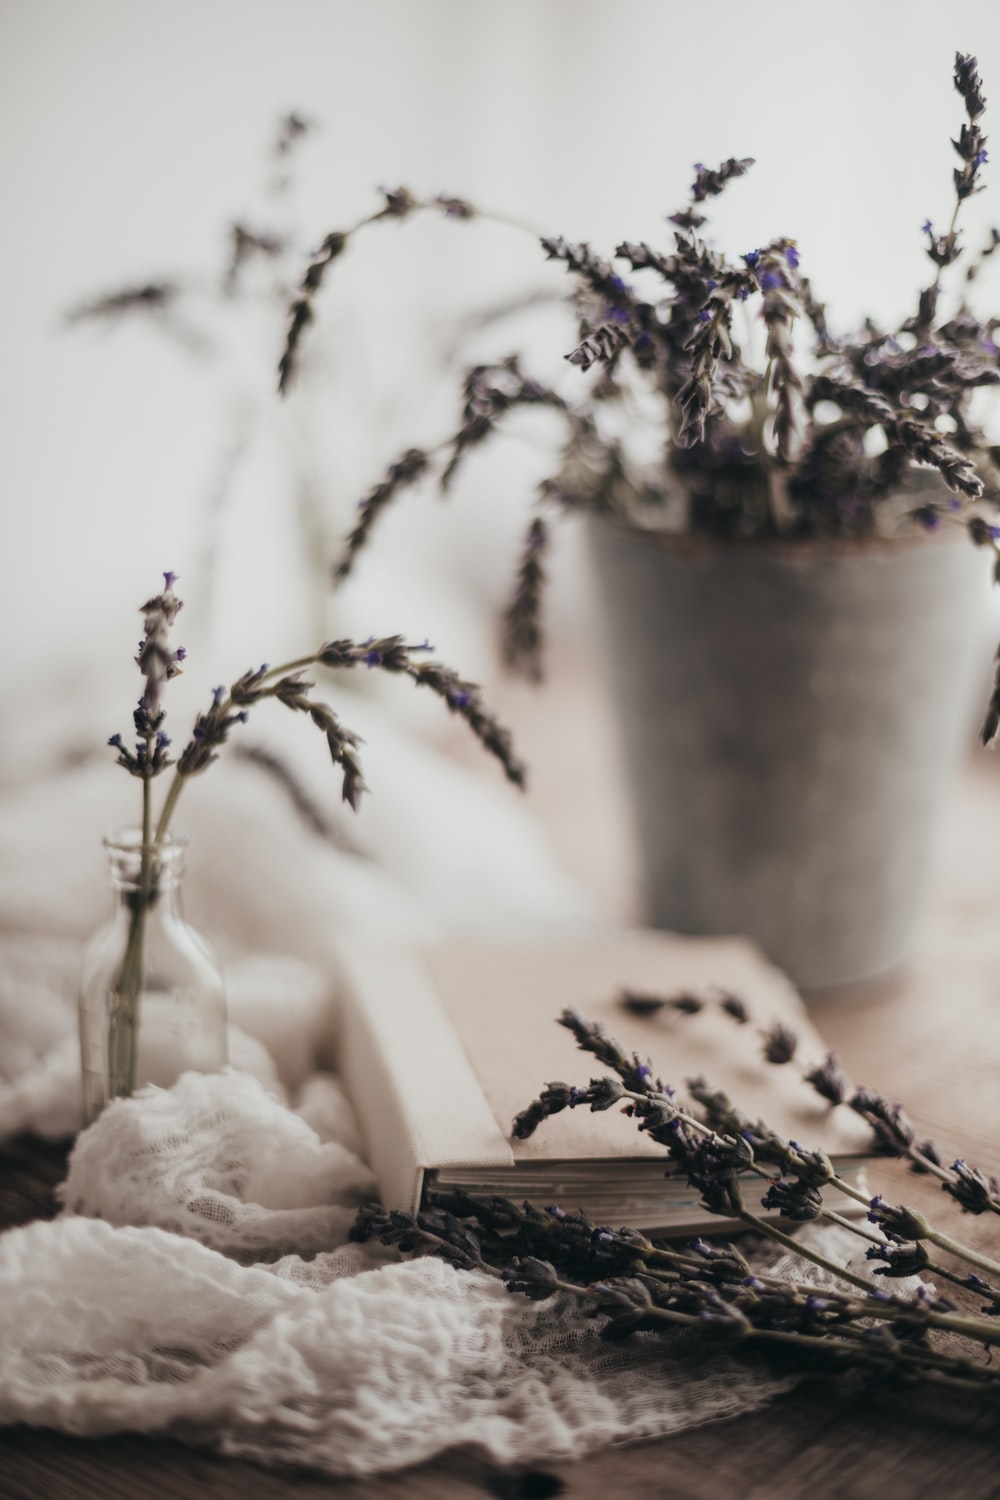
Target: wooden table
[932, 1039]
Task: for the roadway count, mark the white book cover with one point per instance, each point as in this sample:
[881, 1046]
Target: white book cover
[441, 1047]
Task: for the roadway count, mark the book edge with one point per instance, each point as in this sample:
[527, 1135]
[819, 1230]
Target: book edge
[391, 1017]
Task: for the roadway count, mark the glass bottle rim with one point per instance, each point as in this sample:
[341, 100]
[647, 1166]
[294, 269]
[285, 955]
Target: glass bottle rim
[129, 841]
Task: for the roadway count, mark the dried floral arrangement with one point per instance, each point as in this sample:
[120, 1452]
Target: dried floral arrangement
[633, 1284]
[756, 443]
[159, 662]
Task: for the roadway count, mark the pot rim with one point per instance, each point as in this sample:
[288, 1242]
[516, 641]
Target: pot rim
[687, 544]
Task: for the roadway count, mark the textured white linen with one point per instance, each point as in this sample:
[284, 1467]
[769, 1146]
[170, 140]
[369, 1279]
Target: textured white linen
[136, 1312]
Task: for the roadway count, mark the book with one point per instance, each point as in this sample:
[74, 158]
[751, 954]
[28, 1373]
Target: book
[440, 1047]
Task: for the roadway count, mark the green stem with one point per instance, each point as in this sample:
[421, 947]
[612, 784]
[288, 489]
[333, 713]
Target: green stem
[977, 1329]
[763, 1227]
[169, 803]
[945, 1242]
[123, 1021]
[851, 1192]
[489, 216]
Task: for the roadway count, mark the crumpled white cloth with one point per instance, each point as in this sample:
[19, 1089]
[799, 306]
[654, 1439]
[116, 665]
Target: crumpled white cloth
[137, 1311]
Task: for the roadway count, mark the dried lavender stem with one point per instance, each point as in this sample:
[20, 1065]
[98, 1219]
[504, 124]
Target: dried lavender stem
[835, 1181]
[660, 1314]
[849, 1191]
[763, 1226]
[945, 1242]
[399, 205]
[124, 1014]
[873, 1235]
[226, 706]
[170, 802]
[844, 1344]
[876, 1238]
[914, 1155]
[939, 1368]
[461, 697]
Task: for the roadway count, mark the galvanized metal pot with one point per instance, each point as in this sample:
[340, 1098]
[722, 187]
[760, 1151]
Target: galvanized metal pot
[791, 714]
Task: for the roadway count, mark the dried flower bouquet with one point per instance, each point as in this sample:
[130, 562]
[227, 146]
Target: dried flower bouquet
[792, 443]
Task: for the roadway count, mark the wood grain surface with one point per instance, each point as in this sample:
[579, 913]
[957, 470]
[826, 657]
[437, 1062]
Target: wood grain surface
[931, 1038]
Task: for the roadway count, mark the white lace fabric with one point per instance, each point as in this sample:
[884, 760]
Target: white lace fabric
[135, 1311]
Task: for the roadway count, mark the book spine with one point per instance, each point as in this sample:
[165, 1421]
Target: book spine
[419, 1103]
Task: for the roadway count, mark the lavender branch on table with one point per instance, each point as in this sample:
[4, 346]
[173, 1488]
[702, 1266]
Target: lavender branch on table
[635, 1284]
[893, 1133]
[229, 708]
[778, 441]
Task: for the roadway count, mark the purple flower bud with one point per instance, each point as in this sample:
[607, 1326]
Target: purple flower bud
[927, 228]
[980, 157]
[242, 716]
[169, 579]
[770, 280]
[117, 742]
[792, 257]
[217, 696]
[180, 654]
[162, 740]
[704, 316]
[750, 260]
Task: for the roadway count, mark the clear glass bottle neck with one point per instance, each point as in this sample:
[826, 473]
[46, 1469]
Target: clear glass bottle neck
[152, 869]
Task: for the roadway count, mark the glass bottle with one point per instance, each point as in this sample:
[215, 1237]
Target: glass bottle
[152, 1004]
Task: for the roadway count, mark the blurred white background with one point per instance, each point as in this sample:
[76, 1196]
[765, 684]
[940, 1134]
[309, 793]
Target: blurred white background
[134, 134]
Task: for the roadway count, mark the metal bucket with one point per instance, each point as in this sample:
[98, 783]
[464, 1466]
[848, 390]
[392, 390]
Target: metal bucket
[791, 714]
